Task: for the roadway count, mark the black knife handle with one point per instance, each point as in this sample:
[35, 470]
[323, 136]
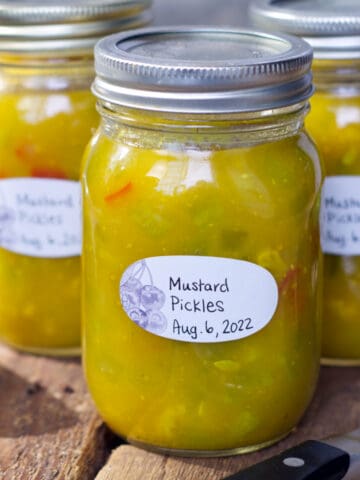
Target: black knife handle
[310, 460]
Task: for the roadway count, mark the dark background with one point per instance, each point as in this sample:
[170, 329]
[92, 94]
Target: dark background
[201, 12]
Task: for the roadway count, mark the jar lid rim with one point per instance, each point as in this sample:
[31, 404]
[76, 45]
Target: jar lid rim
[35, 12]
[43, 26]
[332, 27]
[211, 67]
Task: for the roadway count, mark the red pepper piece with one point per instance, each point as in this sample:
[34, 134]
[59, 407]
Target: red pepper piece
[25, 152]
[293, 291]
[119, 193]
[48, 172]
[289, 279]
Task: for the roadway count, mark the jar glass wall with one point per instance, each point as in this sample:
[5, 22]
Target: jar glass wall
[332, 29]
[217, 189]
[48, 115]
[334, 123]
[201, 257]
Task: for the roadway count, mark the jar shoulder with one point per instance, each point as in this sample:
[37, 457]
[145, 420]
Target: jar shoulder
[334, 124]
[44, 133]
[287, 171]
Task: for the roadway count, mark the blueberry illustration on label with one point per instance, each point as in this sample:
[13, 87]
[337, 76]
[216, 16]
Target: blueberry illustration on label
[138, 316]
[141, 299]
[156, 321]
[130, 293]
[7, 219]
[7, 216]
[152, 298]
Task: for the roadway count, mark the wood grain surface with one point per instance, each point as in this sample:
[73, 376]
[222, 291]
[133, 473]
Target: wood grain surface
[48, 425]
[49, 429]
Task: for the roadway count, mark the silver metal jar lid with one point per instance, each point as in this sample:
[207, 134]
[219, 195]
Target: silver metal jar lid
[202, 70]
[332, 27]
[55, 26]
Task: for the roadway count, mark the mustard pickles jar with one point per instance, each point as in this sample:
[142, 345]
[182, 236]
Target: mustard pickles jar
[47, 115]
[332, 27]
[201, 251]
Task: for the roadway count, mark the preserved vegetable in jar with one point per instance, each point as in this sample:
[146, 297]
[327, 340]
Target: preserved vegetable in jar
[333, 29]
[201, 253]
[340, 222]
[48, 114]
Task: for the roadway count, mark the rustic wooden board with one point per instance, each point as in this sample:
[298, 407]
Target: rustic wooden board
[49, 429]
[335, 409]
[48, 425]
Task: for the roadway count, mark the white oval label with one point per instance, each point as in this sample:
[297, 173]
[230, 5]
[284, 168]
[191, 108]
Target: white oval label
[40, 217]
[198, 299]
[340, 215]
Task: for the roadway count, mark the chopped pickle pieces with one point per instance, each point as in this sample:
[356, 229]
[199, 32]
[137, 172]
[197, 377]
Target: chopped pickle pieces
[201, 396]
[334, 123]
[40, 305]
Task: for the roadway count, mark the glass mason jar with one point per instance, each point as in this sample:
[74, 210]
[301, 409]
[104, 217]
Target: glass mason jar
[201, 253]
[333, 29]
[47, 115]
